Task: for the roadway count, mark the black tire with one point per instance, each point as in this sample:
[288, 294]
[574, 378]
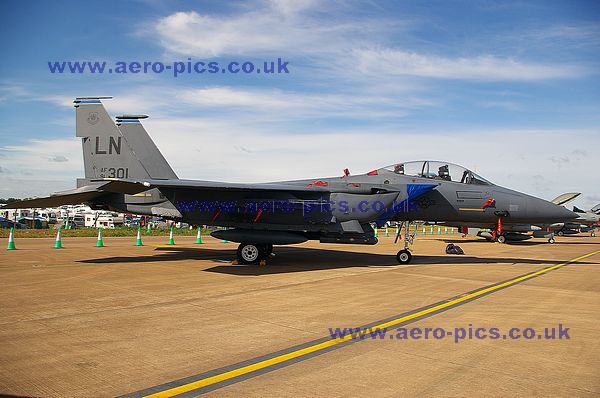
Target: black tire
[248, 253]
[551, 240]
[404, 256]
[266, 250]
[501, 239]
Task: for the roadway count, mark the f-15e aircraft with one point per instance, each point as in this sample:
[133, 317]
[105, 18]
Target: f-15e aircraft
[125, 171]
[586, 221]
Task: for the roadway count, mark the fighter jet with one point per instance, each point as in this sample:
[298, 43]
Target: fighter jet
[586, 221]
[125, 171]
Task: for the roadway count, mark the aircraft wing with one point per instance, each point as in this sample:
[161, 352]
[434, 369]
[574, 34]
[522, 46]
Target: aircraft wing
[132, 186]
[565, 198]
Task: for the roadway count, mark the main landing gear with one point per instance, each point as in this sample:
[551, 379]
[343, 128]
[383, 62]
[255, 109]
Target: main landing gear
[253, 253]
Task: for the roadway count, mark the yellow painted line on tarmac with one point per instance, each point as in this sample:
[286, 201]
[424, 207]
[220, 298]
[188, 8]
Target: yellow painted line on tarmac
[323, 345]
[470, 209]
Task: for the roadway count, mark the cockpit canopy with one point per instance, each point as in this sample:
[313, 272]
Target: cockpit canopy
[438, 171]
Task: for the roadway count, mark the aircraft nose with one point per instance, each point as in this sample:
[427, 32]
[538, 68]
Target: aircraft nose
[549, 211]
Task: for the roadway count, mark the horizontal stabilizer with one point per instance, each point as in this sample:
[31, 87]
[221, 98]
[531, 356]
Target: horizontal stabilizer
[55, 200]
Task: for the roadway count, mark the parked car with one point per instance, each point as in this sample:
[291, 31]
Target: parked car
[6, 223]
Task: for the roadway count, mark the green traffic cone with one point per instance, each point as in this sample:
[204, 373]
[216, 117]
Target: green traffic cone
[387, 232]
[138, 241]
[148, 229]
[171, 239]
[376, 233]
[58, 244]
[100, 243]
[199, 236]
[11, 240]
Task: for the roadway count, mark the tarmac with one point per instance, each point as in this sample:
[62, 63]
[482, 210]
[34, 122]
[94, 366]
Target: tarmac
[84, 321]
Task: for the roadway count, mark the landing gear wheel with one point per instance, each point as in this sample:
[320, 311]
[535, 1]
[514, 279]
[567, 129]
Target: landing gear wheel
[248, 253]
[551, 240]
[592, 234]
[560, 233]
[404, 256]
[501, 239]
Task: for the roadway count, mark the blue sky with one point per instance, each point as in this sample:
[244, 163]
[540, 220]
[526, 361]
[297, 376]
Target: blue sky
[511, 89]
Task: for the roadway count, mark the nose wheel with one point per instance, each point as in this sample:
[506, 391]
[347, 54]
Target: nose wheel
[404, 256]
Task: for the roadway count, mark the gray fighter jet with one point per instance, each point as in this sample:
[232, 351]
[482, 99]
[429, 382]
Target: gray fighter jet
[125, 171]
[586, 221]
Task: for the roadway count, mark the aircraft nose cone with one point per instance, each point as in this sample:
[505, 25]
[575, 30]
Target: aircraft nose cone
[565, 213]
[550, 212]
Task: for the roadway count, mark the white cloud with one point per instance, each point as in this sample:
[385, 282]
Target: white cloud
[573, 36]
[390, 62]
[49, 158]
[58, 159]
[279, 104]
[337, 45]
[278, 27]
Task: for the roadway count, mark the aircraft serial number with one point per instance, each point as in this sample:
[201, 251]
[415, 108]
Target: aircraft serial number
[111, 172]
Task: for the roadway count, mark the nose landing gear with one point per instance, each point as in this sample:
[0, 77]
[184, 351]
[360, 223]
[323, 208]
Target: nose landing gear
[404, 256]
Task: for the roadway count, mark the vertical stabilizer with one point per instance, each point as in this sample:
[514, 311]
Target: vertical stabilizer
[106, 152]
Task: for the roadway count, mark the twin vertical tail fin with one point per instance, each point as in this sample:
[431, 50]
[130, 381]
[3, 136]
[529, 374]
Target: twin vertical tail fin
[144, 148]
[121, 150]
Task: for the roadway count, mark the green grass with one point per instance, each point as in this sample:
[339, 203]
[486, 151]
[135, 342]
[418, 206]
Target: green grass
[93, 232]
